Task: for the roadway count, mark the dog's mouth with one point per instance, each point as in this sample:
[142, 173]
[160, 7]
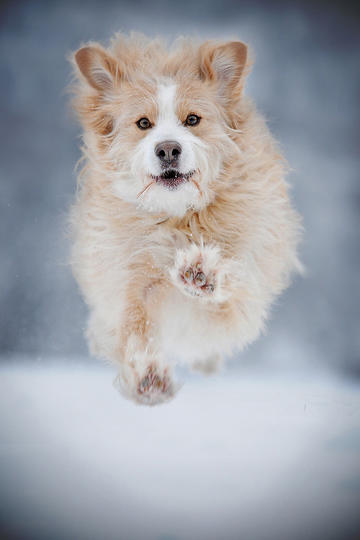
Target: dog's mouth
[171, 178]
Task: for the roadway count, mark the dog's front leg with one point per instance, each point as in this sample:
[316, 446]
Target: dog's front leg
[202, 273]
[144, 376]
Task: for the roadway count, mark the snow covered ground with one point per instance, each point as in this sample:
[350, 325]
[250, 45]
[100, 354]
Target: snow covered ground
[249, 454]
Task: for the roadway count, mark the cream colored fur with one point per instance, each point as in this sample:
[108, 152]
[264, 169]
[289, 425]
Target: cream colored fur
[231, 224]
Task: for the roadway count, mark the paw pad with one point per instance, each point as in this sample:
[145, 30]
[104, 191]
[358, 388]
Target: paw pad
[153, 383]
[200, 279]
[196, 281]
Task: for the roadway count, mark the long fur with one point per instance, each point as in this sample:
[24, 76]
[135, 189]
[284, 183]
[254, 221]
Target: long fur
[129, 250]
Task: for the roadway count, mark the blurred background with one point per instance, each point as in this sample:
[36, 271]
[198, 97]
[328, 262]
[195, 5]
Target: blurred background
[306, 81]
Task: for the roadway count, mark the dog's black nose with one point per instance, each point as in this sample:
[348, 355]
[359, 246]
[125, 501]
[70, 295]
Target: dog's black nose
[168, 152]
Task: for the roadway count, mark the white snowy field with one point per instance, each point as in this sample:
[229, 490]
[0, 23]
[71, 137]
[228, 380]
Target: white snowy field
[244, 455]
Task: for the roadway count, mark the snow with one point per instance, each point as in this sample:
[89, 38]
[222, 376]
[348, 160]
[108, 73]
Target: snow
[246, 454]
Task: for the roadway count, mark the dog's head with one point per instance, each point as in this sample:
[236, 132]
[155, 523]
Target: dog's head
[159, 124]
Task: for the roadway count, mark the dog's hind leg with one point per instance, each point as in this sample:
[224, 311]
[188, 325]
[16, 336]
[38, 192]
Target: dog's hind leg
[209, 365]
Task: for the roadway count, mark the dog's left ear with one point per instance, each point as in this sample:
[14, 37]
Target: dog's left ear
[226, 65]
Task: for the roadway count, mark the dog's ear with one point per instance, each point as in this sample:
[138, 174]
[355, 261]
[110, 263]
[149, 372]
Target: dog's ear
[100, 70]
[224, 64]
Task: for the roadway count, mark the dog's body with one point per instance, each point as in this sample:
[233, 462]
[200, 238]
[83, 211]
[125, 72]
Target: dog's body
[183, 230]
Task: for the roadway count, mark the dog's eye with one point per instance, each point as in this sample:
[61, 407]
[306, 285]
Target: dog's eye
[192, 120]
[143, 123]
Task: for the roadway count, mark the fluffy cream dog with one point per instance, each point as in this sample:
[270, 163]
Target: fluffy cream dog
[183, 229]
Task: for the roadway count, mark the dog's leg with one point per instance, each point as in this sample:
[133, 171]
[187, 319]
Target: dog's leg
[144, 377]
[209, 365]
[199, 271]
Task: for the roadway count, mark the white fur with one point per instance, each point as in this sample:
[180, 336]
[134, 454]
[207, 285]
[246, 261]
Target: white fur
[168, 127]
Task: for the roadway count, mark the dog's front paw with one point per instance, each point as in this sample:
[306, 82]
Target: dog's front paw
[155, 386]
[150, 386]
[198, 271]
[195, 281]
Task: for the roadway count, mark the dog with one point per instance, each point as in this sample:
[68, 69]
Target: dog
[183, 231]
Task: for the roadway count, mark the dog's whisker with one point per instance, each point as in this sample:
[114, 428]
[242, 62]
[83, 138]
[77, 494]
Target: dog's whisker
[196, 185]
[145, 188]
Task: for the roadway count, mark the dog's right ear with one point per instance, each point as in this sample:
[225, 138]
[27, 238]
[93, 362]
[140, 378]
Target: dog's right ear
[100, 70]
